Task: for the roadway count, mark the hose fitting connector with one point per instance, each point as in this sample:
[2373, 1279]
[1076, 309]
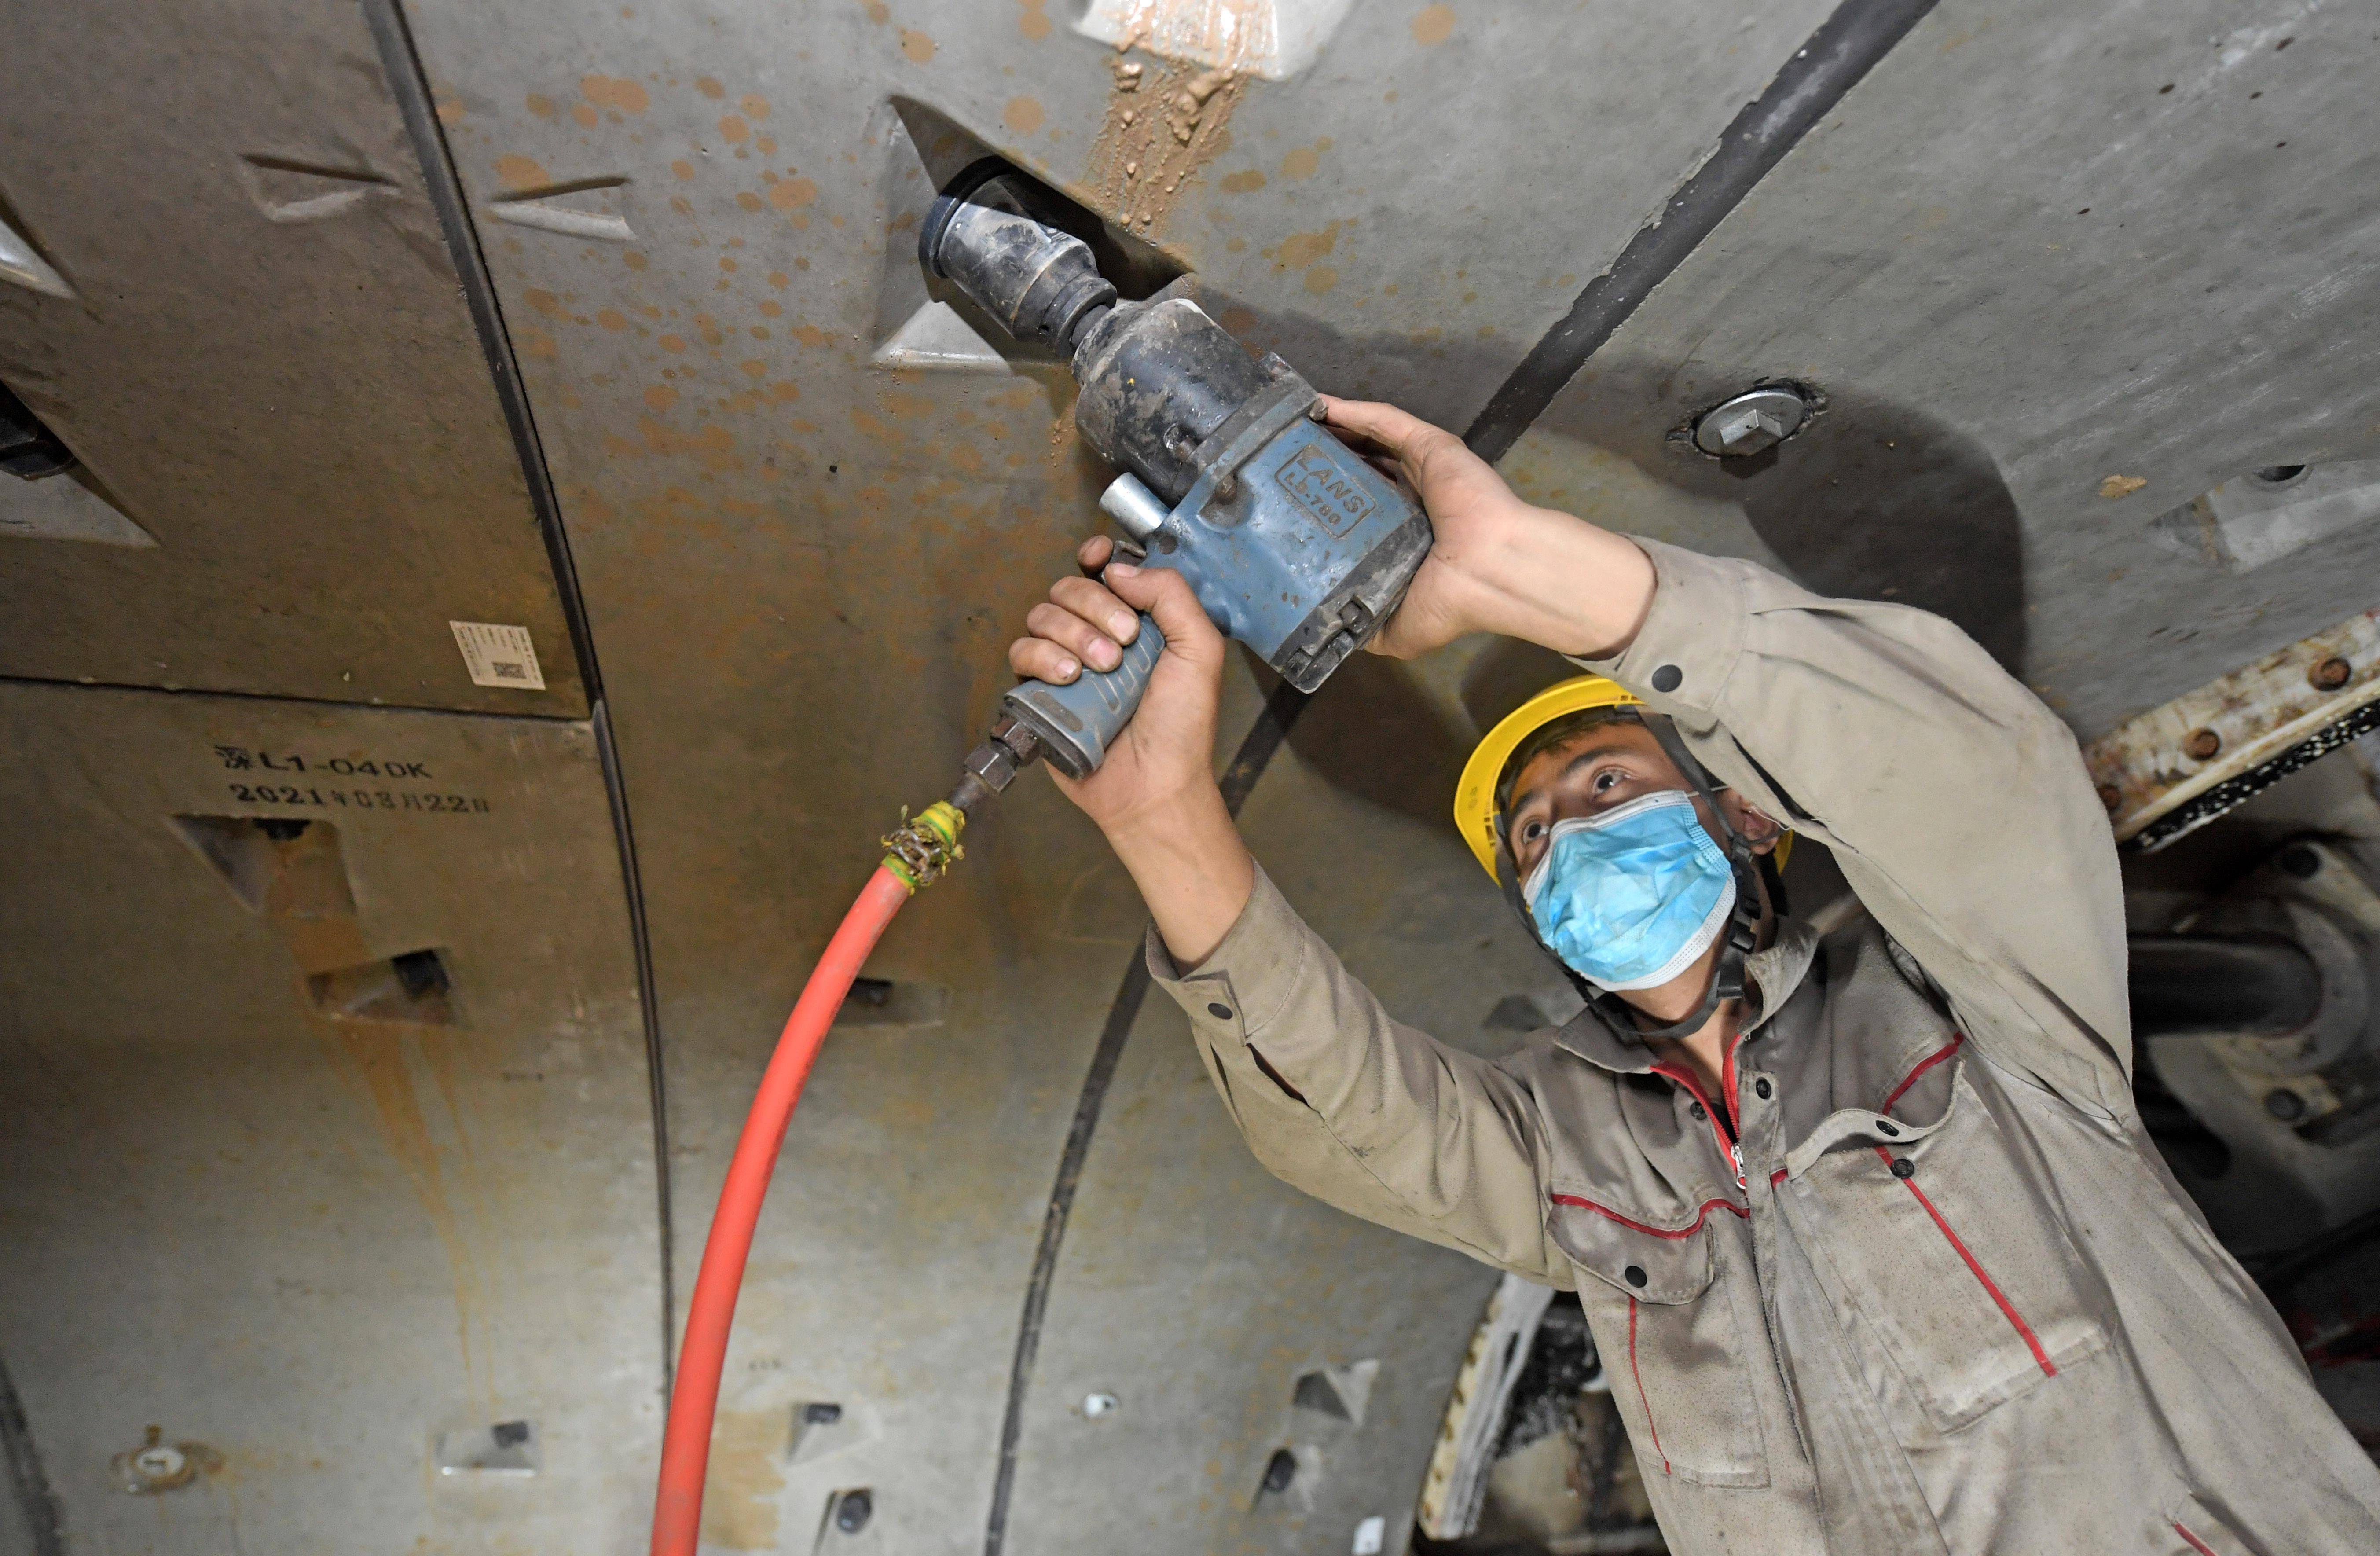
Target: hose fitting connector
[924, 845]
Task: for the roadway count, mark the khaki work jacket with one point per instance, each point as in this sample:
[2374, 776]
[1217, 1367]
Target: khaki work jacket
[1939, 1295]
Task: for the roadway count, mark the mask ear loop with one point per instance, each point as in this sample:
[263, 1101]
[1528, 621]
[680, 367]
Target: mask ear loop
[1744, 919]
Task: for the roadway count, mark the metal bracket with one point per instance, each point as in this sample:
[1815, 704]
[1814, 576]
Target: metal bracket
[1281, 404]
[2173, 769]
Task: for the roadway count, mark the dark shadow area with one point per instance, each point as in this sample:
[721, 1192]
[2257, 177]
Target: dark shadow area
[1370, 732]
[2196, 1153]
[1868, 501]
[1506, 674]
[1871, 500]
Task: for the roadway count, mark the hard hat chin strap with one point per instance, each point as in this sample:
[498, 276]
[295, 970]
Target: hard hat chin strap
[1741, 935]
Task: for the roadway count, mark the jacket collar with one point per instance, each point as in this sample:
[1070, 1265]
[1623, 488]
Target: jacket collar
[1775, 972]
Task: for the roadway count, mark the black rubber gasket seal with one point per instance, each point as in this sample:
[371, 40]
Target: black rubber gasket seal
[2195, 813]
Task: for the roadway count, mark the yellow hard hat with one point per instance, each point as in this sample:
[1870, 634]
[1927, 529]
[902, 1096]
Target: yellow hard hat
[1475, 796]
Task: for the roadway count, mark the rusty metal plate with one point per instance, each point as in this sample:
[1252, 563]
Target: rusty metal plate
[274, 1183]
[266, 365]
[2207, 749]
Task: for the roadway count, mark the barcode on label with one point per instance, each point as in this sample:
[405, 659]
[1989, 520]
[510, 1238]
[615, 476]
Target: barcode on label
[497, 655]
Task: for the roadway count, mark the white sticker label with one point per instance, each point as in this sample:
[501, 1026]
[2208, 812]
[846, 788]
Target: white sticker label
[498, 656]
[1371, 1535]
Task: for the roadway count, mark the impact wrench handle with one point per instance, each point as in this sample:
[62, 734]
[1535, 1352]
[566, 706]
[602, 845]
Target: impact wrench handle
[1077, 722]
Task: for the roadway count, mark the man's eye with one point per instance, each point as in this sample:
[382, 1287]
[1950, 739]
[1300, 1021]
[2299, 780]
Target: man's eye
[1607, 780]
[1531, 831]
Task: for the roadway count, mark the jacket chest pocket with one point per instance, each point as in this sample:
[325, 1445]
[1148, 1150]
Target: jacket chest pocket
[1949, 1256]
[1668, 1309]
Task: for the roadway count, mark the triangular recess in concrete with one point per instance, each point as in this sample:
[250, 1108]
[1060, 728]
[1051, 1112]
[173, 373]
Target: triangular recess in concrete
[1341, 1392]
[935, 336]
[61, 507]
[22, 264]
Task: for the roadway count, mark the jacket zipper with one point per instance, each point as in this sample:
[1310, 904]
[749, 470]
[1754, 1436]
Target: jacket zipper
[1719, 1131]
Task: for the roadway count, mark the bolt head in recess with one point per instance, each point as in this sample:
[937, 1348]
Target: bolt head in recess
[1750, 423]
[156, 1466]
[160, 1463]
[2330, 674]
[2202, 744]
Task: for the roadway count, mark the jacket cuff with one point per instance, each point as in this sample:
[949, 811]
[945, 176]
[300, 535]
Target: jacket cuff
[1692, 637]
[1250, 975]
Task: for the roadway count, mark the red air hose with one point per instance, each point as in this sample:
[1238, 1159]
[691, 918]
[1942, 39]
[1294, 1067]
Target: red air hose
[686, 1444]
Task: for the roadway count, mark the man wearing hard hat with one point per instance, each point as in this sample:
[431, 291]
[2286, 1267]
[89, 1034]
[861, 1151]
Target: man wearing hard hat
[1869, 1233]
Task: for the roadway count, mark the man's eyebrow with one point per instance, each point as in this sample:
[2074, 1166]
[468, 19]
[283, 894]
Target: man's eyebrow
[1593, 751]
[1591, 754]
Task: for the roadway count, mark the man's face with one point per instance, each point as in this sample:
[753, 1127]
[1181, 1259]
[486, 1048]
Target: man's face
[1599, 770]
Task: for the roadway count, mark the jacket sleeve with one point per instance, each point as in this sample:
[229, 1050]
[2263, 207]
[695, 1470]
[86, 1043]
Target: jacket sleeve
[1363, 1112]
[1956, 803]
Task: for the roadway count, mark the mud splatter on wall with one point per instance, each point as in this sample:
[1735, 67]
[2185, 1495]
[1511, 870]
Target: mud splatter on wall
[1163, 126]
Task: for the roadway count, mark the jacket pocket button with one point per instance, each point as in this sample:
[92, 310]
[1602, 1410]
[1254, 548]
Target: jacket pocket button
[1696, 1109]
[1219, 1012]
[1903, 1168]
[1668, 677]
[1635, 1274]
[1883, 1127]
[1762, 1087]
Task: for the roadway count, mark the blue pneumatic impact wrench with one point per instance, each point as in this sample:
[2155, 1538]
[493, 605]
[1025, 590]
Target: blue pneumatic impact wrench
[1293, 544]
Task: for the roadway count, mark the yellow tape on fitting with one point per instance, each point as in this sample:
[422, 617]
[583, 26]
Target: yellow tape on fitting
[926, 844]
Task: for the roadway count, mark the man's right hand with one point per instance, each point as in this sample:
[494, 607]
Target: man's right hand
[1155, 795]
[1167, 753]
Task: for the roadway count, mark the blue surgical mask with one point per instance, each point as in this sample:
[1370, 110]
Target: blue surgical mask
[1629, 898]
